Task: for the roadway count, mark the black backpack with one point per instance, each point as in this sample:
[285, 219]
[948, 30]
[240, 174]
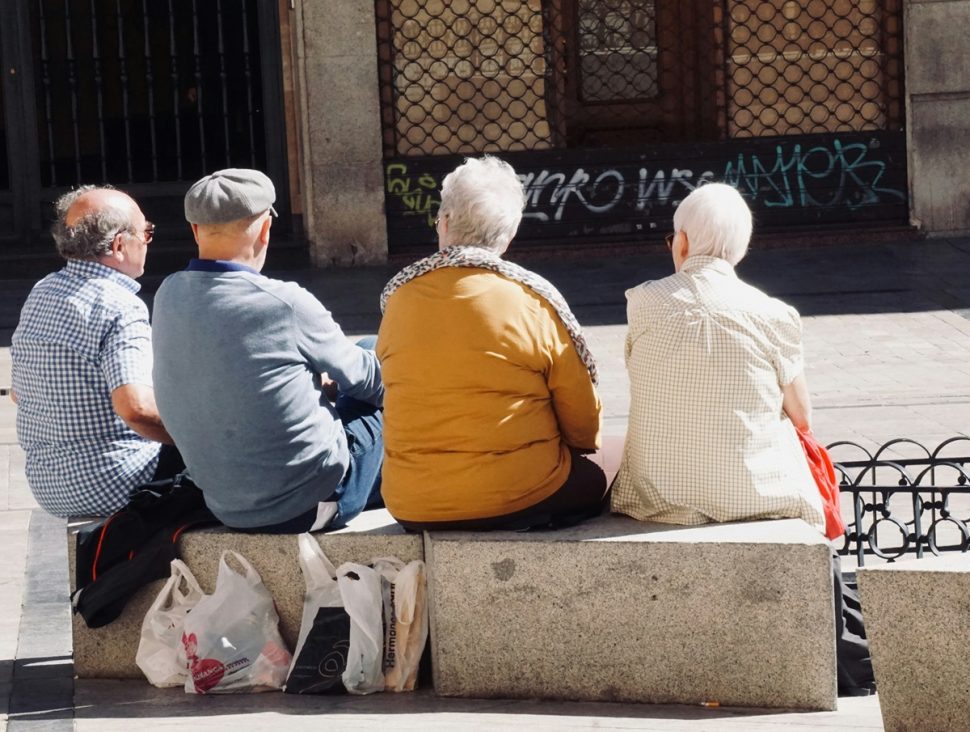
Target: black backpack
[133, 546]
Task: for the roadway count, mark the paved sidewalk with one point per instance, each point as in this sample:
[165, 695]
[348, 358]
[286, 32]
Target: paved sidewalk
[887, 335]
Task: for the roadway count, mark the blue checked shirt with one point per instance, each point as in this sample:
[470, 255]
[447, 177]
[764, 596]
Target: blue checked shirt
[83, 332]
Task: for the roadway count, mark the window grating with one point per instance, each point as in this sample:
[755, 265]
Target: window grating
[617, 50]
[816, 66]
[132, 91]
[463, 76]
[473, 76]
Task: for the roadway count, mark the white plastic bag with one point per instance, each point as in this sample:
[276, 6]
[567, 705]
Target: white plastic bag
[231, 639]
[405, 594]
[321, 651]
[160, 655]
[360, 590]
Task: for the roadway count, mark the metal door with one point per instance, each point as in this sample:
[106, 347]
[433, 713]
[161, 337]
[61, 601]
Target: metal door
[146, 96]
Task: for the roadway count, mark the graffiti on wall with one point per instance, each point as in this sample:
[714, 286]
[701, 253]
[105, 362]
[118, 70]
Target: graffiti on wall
[831, 175]
[418, 194]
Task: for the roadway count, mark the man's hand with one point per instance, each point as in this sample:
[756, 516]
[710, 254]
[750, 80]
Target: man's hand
[330, 388]
[135, 404]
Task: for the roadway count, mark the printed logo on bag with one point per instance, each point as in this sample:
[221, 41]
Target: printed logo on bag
[390, 651]
[334, 663]
[207, 673]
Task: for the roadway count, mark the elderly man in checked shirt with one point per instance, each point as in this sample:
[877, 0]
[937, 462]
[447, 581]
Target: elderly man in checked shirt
[82, 363]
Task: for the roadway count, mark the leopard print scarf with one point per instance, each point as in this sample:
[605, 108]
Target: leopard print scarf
[468, 256]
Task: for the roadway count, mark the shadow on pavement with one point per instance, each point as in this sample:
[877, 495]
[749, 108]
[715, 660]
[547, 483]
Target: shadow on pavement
[911, 276]
[130, 699]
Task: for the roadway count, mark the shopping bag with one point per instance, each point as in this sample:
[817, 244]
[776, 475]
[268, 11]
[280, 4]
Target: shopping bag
[231, 638]
[405, 604]
[823, 472]
[160, 655]
[360, 591]
[321, 651]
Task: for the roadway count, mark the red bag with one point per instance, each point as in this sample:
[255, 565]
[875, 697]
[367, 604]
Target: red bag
[820, 465]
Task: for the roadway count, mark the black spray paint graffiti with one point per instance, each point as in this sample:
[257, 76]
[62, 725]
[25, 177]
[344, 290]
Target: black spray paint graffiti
[823, 176]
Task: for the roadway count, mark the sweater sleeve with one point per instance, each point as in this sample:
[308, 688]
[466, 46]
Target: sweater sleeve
[356, 370]
[574, 397]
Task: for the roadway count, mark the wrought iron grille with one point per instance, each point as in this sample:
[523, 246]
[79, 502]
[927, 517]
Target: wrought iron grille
[617, 50]
[905, 498]
[4, 163]
[463, 75]
[133, 91]
[815, 66]
[471, 76]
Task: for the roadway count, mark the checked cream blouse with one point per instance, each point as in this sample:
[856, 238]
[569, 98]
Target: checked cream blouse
[707, 440]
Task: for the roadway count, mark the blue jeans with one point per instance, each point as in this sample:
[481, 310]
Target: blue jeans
[360, 488]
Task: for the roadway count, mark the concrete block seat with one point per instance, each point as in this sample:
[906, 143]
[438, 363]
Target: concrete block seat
[917, 616]
[109, 652]
[619, 610]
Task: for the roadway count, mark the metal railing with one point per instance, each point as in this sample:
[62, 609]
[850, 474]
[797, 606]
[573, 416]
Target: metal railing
[905, 498]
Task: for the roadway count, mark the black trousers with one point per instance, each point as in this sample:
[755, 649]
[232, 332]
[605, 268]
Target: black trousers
[851, 647]
[582, 496]
[170, 463]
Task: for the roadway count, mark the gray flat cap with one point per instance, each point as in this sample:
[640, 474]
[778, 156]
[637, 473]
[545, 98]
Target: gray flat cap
[229, 195]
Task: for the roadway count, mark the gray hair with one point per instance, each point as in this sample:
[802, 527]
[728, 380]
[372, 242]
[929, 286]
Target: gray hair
[92, 234]
[483, 199]
[717, 222]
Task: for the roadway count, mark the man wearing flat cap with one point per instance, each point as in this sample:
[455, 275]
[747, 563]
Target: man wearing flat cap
[240, 366]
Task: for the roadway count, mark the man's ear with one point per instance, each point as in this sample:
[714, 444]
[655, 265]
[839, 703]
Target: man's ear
[264, 230]
[195, 232]
[118, 247]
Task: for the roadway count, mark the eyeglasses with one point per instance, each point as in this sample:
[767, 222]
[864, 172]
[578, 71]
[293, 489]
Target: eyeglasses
[149, 232]
[670, 240]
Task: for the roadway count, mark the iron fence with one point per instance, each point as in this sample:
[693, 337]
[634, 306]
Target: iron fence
[905, 498]
[472, 76]
[140, 91]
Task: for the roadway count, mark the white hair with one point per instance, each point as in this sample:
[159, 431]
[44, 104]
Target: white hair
[483, 199]
[717, 222]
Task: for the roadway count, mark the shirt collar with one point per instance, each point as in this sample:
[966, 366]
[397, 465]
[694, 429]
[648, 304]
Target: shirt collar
[705, 262]
[90, 270]
[218, 265]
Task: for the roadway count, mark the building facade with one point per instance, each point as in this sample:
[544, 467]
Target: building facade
[824, 113]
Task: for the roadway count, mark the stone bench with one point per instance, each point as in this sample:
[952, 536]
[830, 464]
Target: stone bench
[109, 652]
[917, 616]
[611, 610]
[618, 610]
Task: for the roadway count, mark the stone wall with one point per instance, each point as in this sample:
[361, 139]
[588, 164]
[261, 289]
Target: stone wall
[341, 132]
[938, 111]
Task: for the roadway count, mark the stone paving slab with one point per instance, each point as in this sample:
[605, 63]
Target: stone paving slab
[106, 706]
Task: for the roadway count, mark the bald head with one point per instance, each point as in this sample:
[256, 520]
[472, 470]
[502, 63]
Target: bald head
[90, 218]
[90, 201]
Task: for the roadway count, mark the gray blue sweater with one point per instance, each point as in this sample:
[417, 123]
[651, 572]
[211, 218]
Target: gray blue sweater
[238, 358]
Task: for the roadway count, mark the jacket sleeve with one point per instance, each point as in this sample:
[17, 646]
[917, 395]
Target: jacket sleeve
[356, 370]
[574, 398]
